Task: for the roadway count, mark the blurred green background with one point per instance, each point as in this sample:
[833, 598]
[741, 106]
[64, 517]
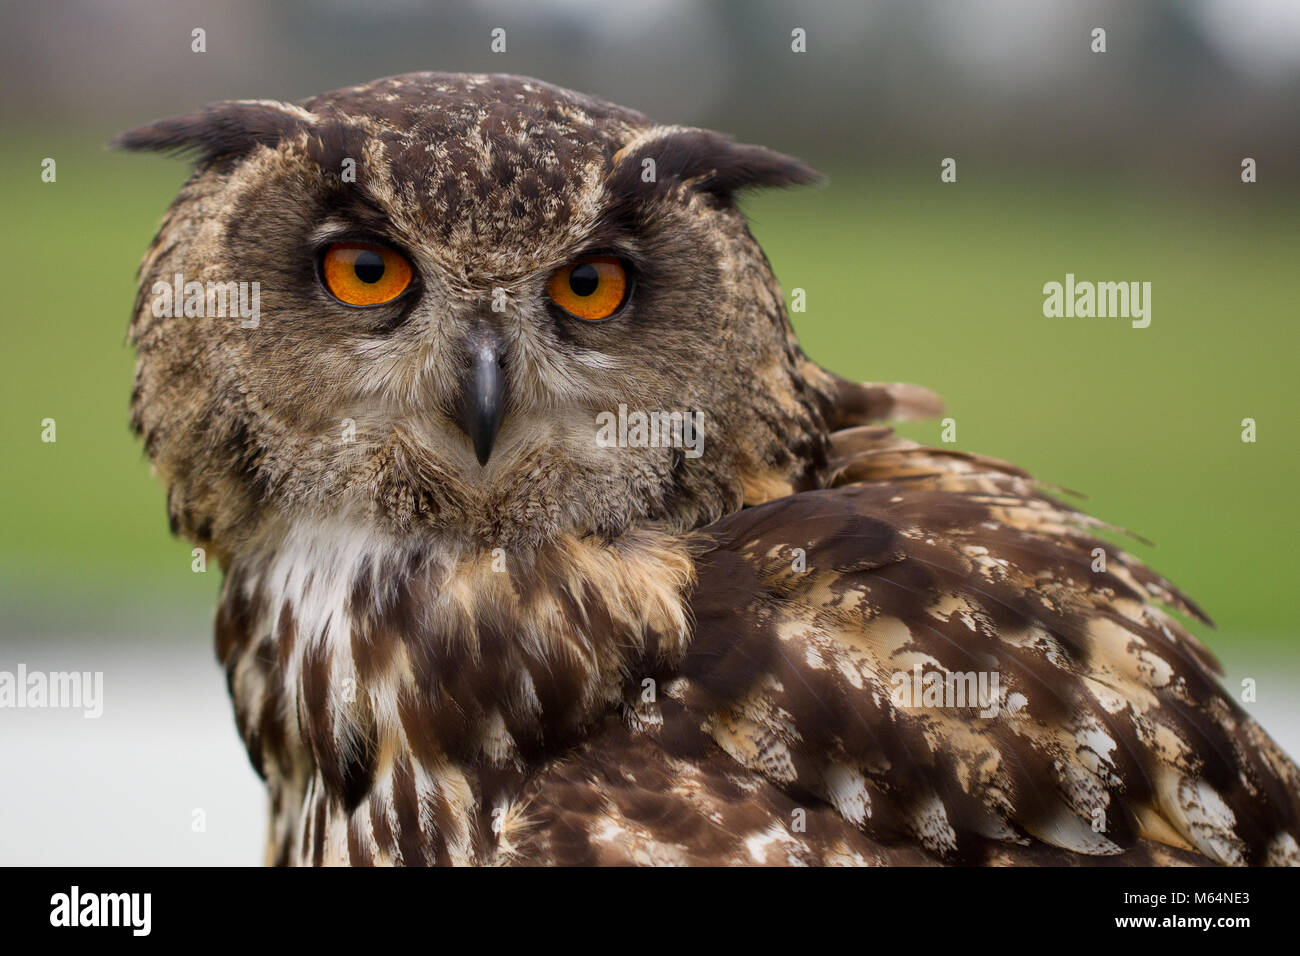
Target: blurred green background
[907, 278]
[1115, 166]
[1119, 166]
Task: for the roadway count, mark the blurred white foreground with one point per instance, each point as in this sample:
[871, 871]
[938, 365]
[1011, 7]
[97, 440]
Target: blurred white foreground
[126, 788]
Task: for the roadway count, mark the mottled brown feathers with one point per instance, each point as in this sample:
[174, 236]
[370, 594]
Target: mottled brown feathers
[222, 130]
[811, 643]
[716, 700]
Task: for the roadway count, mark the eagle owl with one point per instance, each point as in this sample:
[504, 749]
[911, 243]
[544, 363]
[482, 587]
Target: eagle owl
[544, 542]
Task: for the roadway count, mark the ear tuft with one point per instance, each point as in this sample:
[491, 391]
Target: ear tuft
[230, 129]
[711, 161]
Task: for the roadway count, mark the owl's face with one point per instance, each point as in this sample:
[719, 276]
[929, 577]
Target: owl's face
[467, 290]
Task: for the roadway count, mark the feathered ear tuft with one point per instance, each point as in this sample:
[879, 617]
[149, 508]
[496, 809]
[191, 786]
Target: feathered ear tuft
[710, 161]
[230, 129]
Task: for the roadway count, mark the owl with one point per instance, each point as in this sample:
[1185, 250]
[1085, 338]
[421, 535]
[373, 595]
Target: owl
[543, 542]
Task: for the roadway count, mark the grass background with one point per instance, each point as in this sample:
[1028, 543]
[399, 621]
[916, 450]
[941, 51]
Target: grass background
[906, 278]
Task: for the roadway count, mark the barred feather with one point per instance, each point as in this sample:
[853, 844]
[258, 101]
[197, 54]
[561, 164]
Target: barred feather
[714, 700]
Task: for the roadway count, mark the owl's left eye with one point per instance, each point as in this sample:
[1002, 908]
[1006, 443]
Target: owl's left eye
[590, 288]
[364, 273]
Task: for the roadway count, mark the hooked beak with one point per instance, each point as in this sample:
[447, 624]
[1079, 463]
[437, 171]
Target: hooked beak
[481, 396]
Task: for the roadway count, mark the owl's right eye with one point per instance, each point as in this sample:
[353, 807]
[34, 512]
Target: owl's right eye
[364, 273]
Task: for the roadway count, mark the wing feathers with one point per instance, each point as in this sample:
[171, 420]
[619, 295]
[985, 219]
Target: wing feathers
[837, 629]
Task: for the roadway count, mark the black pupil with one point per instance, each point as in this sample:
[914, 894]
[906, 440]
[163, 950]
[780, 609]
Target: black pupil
[584, 279]
[369, 266]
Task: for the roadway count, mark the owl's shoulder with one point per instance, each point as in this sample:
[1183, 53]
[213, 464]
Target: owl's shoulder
[945, 654]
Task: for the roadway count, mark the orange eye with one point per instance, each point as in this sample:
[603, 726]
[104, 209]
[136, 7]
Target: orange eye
[364, 273]
[590, 288]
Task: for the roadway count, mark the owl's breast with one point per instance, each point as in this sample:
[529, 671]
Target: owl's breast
[398, 695]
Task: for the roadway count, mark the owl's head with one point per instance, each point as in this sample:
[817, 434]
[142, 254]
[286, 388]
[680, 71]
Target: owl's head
[474, 306]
